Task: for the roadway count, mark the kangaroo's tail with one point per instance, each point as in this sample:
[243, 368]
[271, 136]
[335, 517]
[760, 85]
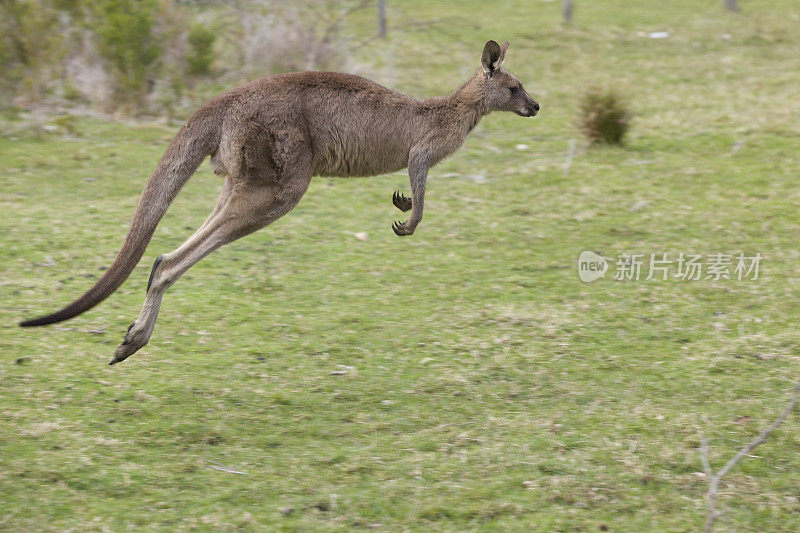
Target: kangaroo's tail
[197, 139]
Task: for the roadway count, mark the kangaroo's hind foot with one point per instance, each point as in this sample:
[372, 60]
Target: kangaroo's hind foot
[401, 229]
[135, 339]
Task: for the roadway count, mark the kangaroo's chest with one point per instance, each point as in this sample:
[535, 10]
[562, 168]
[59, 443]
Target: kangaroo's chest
[363, 151]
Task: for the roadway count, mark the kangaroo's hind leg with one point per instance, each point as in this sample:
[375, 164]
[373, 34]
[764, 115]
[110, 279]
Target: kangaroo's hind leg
[249, 206]
[224, 194]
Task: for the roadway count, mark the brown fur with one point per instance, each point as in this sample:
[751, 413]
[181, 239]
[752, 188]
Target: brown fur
[270, 136]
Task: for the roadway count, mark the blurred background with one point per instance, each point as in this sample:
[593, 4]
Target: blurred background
[464, 378]
[162, 58]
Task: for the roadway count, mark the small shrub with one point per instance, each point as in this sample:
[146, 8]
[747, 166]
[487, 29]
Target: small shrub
[124, 29]
[31, 45]
[67, 123]
[604, 117]
[201, 44]
[70, 92]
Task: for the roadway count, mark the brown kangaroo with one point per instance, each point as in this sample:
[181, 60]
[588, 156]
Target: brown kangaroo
[270, 136]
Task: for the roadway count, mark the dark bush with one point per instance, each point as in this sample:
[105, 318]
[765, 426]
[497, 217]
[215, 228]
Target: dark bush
[31, 45]
[201, 44]
[604, 116]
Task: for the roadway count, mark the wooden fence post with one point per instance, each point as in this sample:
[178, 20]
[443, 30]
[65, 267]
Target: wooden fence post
[382, 18]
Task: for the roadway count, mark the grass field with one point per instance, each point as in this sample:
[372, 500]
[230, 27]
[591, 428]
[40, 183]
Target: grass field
[463, 378]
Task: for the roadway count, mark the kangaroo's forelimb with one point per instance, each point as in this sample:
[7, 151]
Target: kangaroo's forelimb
[418, 164]
[401, 201]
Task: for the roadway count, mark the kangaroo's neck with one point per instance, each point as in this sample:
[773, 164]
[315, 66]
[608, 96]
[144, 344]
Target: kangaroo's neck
[470, 100]
[463, 108]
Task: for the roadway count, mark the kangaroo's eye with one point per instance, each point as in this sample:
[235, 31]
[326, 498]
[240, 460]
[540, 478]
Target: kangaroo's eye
[514, 90]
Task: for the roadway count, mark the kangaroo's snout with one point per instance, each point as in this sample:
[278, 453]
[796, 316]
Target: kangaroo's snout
[531, 109]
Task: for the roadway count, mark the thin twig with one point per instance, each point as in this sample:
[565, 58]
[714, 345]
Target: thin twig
[764, 434]
[219, 466]
[223, 469]
[570, 155]
[704, 456]
[714, 479]
[442, 426]
[9, 516]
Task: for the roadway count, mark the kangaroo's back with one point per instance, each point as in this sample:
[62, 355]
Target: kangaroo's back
[357, 127]
[361, 128]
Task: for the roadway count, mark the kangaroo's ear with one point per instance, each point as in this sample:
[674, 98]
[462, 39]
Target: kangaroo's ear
[491, 58]
[503, 53]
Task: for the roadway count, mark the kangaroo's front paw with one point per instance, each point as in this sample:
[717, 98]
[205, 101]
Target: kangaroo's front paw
[402, 228]
[401, 201]
[134, 340]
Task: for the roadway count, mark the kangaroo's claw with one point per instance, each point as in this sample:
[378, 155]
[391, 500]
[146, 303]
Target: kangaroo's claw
[401, 202]
[401, 229]
[134, 340]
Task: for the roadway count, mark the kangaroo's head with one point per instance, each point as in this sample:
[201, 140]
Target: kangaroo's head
[503, 90]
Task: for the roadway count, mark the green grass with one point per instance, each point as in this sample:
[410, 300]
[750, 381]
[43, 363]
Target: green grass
[485, 386]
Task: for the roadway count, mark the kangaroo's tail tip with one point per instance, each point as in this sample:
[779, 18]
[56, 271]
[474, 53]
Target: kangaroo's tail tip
[41, 321]
[59, 316]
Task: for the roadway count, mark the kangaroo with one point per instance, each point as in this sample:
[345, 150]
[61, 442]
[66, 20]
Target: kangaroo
[269, 137]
